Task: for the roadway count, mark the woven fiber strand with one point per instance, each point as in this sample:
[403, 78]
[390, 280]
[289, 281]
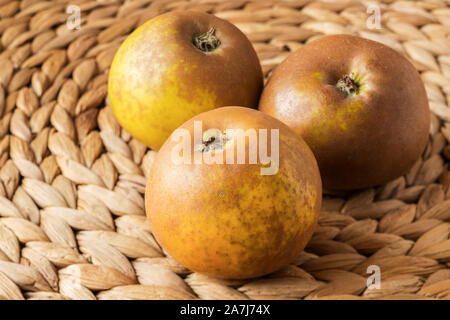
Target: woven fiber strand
[72, 220]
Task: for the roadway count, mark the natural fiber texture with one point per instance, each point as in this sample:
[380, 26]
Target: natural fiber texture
[72, 221]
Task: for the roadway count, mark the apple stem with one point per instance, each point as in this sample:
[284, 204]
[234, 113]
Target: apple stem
[348, 84]
[208, 41]
[209, 141]
[212, 142]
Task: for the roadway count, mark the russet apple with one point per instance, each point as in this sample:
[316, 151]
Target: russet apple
[232, 219]
[178, 65]
[361, 107]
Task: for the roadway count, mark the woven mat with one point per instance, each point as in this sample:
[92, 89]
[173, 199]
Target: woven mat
[72, 221]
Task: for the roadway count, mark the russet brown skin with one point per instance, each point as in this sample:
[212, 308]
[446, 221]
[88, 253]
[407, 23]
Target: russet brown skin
[228, 220]
[176, 66]
[363, 138]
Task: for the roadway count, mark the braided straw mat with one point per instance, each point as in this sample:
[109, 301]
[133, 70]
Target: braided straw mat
[72, 220]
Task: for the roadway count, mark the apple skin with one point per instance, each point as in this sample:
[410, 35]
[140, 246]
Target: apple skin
[159, 78]
[228, 220]
[359, 140]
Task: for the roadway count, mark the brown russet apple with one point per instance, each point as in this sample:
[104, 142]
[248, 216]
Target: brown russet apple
[232, 219]
[176, 66]
[360, 105]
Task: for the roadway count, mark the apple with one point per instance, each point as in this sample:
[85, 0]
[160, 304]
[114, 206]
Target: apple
[228, 218]
[178, 65]
[360, 106]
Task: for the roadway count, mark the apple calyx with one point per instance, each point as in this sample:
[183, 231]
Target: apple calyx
[349, 84]
[207, 41]
[212, 140]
